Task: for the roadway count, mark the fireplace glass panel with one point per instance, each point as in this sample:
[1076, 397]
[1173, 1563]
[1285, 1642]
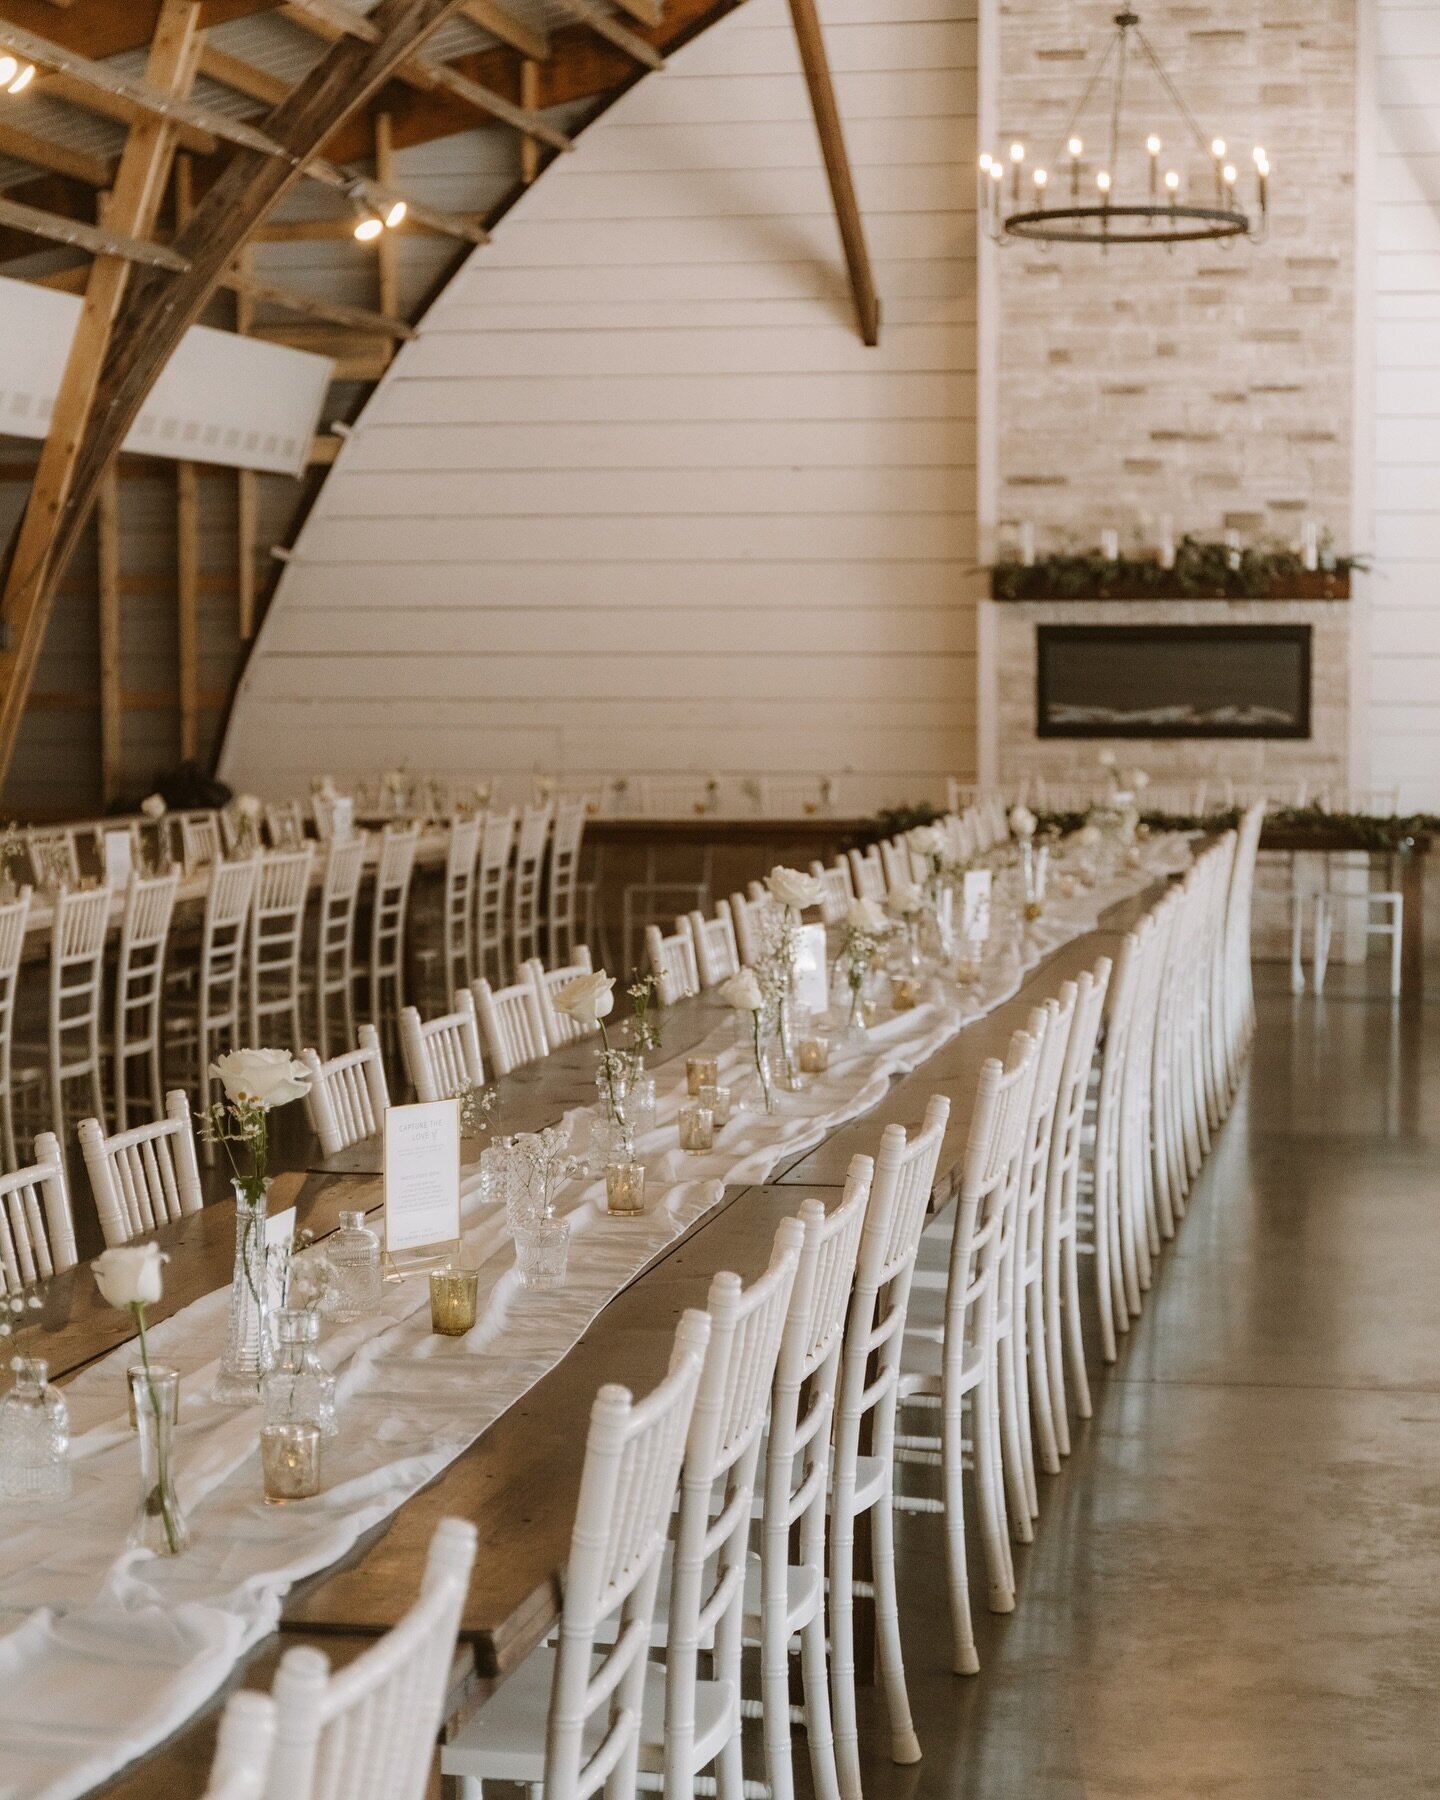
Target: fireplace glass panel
[1154, 681]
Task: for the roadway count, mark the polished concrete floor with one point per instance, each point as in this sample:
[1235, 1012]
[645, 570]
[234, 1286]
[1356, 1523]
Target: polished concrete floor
[1234, 1591]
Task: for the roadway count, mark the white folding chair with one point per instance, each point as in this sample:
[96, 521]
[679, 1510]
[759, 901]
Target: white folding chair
[567, 1722]
[54, 861]
[368, 1732]
[672, 963]
[335, 941]
[492, 886]
[77, 998]
[442, 1056]
[285, 825]
[560, 1028]
[140, 988]
[200, 845]
[144, 1177]
[37, 1227]
[208, 1019]
[348, 1094]
[865, 1406]
[277, 935]
[242, 1748]
[511, 1023]
[867, 874]
[525, 885]
[14, 916]
[717, 953]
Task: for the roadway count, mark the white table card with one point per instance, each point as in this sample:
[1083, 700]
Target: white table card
[422, 1175]
[118, 859]
[811, 984]
[975, 923]
[342, 818]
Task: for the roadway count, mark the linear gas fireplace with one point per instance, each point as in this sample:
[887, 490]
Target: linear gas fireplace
[1173, 681]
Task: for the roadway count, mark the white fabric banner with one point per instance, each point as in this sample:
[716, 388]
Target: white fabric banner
[107, 1651]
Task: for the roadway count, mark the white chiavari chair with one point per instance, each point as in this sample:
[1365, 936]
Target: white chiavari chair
[867, 874]
[37, 1228]
[1061, 1280]
[567, 1723]
[368, 1732]
[525, 885]
[241, 824]
[717, 953]
[77, 999]
[672, 962]
[277, 936]
[863, 1485]
[335, 941]
[323, 810]
[145, 1177]
[389, 905]
[511, 1023]
[897, 863]
[442, 1056]
[54, 861]
[492, 884]
[208, 1018]
[348, 1094]
[965, 1369]
[462, 852]
[138, 1028]
[1239, 985]
[242, 1748]
[560, 1028]
[14, 916]
[200, 844]
[747, 917]
[285, 825]
[837, 892]
[562, 926]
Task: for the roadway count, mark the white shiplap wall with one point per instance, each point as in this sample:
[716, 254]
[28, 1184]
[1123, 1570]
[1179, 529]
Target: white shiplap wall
[1404, 613]
[638, 497]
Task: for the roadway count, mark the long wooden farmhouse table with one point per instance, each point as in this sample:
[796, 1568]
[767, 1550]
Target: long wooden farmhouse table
[518, 1481]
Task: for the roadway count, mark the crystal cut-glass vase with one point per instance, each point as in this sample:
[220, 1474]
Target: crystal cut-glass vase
[159, 1524]
[248, 1353]
[34, 1438]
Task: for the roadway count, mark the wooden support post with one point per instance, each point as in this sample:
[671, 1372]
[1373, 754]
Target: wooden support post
[107, 519]
[816, 65]
[187, 599]
[247, 495]
[529, 146]
[387, 250]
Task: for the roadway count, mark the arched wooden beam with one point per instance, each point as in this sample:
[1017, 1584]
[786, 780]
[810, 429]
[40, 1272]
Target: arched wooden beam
[156, 313]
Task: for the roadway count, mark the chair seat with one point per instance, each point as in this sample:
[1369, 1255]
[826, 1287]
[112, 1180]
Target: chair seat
[505, 1740]
[922, 1363]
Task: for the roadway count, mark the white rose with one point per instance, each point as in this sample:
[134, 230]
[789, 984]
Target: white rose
[1089, 835]
[1121, 797]
[906, 900]
[326, 788]
[588, 998]
[865, 915]
[248, 806]
[1139, 780]
[742, 991]
[790, 887]
[153, 806]
[263, 1078]
[131, 1275]
[1107, 759]
[1022, 822]
[927, 840]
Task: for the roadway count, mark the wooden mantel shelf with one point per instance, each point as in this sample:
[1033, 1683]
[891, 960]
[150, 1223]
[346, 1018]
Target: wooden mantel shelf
[1320, 584]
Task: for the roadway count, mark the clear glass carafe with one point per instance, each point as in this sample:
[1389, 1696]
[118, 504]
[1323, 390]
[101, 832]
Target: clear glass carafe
[353, 1253]
[299, 1389]
[34, 1438]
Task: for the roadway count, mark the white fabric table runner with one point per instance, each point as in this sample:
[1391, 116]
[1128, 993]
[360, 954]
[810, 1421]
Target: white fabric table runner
[107, 1651]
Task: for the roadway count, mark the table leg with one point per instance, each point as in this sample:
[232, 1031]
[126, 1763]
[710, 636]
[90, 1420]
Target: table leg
[1412, 940]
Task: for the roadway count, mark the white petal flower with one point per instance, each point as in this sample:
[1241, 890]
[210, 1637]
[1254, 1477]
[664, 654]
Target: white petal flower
[263, 1078]
[1022, 822]
[742, 991]
[130, 1275]
[588, 998]
[791, 887]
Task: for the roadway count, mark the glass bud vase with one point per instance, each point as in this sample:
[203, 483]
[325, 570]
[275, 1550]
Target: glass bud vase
[34, 1438]
[159, 1523]
[353, 1253]
[299, 1390]
[248, 1354]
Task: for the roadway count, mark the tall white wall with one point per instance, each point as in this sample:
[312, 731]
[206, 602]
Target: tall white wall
[638, 498]
[1404, 606]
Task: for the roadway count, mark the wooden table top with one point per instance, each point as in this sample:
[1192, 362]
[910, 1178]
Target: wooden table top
[518, 1482]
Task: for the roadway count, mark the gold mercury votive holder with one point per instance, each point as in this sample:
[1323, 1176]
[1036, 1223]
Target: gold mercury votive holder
[625, 1189]
[700, 1071]
[717, 1098]
[697, 1129]
[814, 1055]
[452, 1301]
[290, 1461]
[904, 992]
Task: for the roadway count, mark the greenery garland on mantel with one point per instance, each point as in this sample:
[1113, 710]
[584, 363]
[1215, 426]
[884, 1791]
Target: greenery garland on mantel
[1202, 571]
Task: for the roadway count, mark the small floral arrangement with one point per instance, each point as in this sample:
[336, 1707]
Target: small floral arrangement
[589, 1000]
[478, 1106]
[545, 1157]
[543, 788]
[644, 1022]
[751, 789]
[153, 807]
[131, 1278]
[1022, 822]
[744, 992]
[865, 930]
[255, 1083]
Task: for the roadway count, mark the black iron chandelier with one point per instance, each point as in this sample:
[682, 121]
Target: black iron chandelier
[1170, 208]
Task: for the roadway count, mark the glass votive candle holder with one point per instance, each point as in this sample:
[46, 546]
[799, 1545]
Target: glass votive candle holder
[701, 1071]
[452, 1301]
[166, 1392]
[542, 1249]
[869, 1014]
[290, 1461]
[717, 1098]
[814, 1055]
[904, 992]
[625, 1189]
[697, 1129]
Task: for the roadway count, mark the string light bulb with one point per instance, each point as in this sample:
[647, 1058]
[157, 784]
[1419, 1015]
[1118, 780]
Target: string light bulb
[1076, 146]
[22, 79]
[369, 228]
[1229, 173]
[985, 161]
[1102, 181]
[1152, 144]
[1041, 176]
[395, 215]
[1217, 148]
[1172, 180]
[1017, 153]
